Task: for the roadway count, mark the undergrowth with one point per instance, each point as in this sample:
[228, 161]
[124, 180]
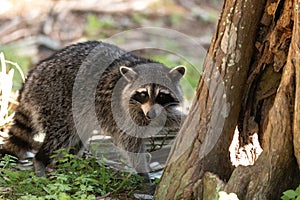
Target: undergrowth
[291, 194]
[74, 177]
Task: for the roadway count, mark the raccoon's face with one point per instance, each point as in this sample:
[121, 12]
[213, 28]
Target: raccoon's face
[151, 90]
[152, 99]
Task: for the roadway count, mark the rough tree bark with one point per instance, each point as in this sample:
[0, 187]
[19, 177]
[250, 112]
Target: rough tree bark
[250, 81]
[294, 59]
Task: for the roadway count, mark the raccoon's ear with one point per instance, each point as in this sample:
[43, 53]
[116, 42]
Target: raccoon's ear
[177, 73]
[128, 73]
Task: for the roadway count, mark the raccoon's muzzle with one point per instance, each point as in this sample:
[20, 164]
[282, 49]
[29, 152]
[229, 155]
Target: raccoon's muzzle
[151, 111]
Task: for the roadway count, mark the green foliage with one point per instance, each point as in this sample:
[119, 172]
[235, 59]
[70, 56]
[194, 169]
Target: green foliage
[291, 194]
[156, 180]
[96, 27]
[73, 178]
[8, 162]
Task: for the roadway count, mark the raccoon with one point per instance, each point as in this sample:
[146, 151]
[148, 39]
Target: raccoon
[91, 86]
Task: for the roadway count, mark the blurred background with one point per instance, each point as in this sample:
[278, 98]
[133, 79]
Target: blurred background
[31, 30]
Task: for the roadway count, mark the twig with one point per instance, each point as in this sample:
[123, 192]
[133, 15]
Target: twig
[18, 68]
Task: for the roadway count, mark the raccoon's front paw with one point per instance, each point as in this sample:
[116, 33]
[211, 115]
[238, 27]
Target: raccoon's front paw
[39, 168]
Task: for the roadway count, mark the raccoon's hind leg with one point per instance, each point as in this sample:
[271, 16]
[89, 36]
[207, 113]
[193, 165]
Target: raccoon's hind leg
[55, 140]
[21, 136]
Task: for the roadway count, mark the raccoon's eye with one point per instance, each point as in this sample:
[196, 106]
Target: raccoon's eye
[141, 97]
[165, 99]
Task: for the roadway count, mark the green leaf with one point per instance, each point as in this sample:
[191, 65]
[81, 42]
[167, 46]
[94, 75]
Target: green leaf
[64, 196]
[285, 197]
[290, 194]
[298, 190]
[156, 180]
[91, 197]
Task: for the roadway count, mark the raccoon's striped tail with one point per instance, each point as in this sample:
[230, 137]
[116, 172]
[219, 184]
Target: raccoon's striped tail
[20, 138]
[15, 146]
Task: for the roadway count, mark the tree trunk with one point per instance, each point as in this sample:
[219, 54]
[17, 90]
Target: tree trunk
[248, 82]
[294, 58]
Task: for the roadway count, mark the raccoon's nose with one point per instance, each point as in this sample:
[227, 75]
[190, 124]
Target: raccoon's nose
[151, 114]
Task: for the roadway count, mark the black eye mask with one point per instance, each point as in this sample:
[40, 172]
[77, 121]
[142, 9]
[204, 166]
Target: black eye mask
[166, 99]
[141, 97]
